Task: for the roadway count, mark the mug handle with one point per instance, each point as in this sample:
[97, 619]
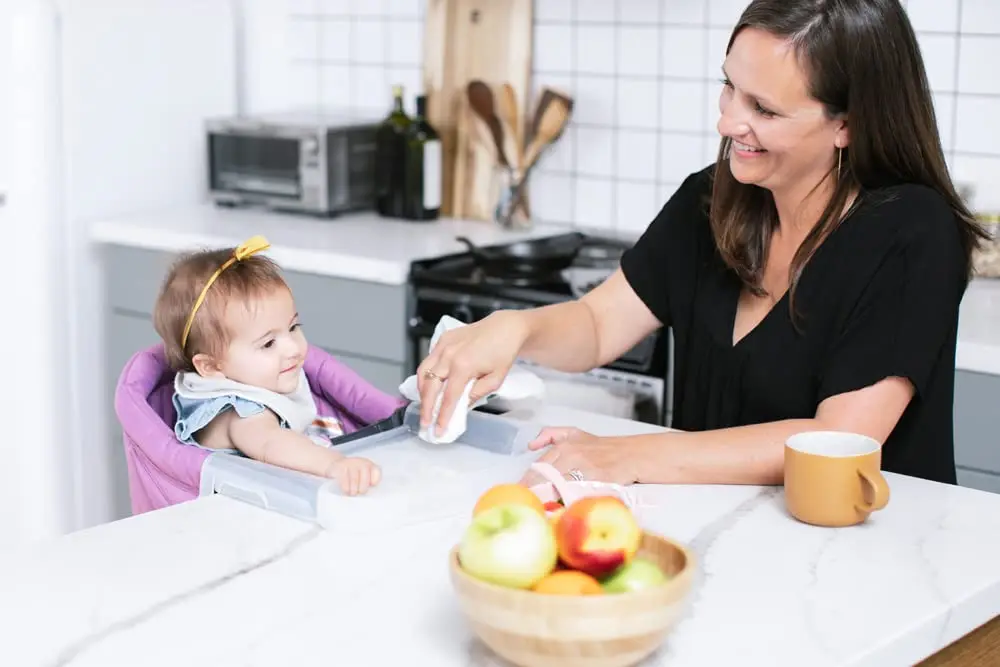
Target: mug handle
[878, 487]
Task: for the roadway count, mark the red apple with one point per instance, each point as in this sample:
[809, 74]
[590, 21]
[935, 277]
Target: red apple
[597, 535]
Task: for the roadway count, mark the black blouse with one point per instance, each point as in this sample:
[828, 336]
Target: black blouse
[879, 298]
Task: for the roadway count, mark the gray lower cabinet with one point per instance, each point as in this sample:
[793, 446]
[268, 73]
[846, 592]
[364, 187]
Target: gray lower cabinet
[977, 430]
[362, 323]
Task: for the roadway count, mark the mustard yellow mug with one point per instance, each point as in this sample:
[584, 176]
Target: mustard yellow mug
[833, 478]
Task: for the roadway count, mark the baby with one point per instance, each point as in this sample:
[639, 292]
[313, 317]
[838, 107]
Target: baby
[230, 330]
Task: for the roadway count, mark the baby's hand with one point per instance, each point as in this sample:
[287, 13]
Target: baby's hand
[356, 475]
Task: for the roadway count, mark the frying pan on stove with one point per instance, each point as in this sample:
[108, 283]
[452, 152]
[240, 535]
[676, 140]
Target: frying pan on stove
[534, 256]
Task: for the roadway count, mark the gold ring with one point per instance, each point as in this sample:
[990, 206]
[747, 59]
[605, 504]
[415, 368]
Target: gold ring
[431, 375]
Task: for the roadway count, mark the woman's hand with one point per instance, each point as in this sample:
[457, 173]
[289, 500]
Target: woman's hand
[599, 459]
[483, 351]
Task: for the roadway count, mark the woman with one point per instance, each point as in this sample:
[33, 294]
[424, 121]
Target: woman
[812, 276]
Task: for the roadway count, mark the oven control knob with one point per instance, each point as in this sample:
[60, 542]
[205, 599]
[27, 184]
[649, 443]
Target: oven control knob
[462, 313]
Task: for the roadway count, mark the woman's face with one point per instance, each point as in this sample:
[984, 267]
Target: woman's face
[781, 137]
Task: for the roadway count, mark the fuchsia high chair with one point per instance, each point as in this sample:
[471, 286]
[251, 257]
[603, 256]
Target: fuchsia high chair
[163, 471]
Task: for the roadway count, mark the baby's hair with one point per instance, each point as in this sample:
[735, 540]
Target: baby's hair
[241, 283]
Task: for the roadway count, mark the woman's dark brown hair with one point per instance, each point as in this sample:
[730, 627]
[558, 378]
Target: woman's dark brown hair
[862, 60]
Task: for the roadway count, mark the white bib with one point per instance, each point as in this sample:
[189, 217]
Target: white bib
[297, 409]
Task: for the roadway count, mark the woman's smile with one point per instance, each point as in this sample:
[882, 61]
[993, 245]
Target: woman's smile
[746, 151]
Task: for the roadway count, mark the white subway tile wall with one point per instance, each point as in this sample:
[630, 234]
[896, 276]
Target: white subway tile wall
[645, 76]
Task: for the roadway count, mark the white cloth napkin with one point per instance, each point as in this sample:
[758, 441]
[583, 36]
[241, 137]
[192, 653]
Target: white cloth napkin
[518, 384]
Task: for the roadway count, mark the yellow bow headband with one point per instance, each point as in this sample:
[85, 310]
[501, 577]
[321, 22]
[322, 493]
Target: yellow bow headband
[250, 247]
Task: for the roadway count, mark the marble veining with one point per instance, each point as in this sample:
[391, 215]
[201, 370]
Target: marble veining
[72, 651]
[221, 583]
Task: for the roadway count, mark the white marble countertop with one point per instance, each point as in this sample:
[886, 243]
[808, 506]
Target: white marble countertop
[361, 246]
[221, 583]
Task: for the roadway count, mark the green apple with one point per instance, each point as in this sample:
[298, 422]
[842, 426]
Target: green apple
[636, 575]
[509, 545]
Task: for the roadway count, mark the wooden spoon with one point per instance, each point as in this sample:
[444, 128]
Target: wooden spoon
[508, 108]
[481, 99]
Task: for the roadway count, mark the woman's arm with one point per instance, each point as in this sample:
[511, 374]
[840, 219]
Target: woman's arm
[755, 454]
[592, 331]
[740, 455]
[572, 337]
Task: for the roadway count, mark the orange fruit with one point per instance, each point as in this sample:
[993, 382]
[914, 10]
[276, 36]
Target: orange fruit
[568, 582]
[508, 494]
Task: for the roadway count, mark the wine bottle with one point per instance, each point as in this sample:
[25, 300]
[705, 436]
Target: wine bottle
[423, 166]
[390, 162]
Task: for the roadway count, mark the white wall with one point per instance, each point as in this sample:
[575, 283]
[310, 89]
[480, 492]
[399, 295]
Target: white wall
[138, 80]
[645, 77]
[101, 114]
[35, 472]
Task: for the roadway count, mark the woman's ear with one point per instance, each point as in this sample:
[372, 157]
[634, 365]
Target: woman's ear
[206, 365]
[843, 136]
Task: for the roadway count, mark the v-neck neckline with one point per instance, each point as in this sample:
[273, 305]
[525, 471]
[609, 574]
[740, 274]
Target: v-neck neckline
[737, 287]
[733, 287]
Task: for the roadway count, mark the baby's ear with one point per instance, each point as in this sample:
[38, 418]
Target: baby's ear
[206, 365]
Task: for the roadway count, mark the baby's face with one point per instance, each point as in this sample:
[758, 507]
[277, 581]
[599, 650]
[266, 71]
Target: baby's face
[268, 347]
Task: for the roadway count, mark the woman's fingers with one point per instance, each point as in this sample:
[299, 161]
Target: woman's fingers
[551, 435]
[429, 362]
[458, 379]
[428, 396]
[430, 378]
[530, 477]
[485, 386]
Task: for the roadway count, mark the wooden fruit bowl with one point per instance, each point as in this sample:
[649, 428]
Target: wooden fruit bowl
[612, 630]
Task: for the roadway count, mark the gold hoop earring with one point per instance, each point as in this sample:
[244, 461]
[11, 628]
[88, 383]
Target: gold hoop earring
[840, 153]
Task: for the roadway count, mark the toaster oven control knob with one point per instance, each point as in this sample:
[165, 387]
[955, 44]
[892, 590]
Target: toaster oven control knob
[310, 146]
[462, 313]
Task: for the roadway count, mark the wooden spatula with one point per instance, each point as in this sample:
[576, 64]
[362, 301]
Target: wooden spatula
[553, 120]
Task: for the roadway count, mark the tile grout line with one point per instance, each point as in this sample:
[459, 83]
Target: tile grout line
[953, 130]
[707, 50]
[575, 78]
[660, 92]
[318, 97]
[387, 76]
[615, 39]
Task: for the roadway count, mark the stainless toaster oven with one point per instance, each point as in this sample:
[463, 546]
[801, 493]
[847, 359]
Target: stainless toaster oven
[310, 162]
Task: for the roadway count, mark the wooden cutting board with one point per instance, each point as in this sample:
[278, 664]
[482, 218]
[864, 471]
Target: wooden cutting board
[464, 40]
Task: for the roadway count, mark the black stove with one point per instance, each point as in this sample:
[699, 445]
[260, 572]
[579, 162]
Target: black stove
[468, 289]
[596, 259]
